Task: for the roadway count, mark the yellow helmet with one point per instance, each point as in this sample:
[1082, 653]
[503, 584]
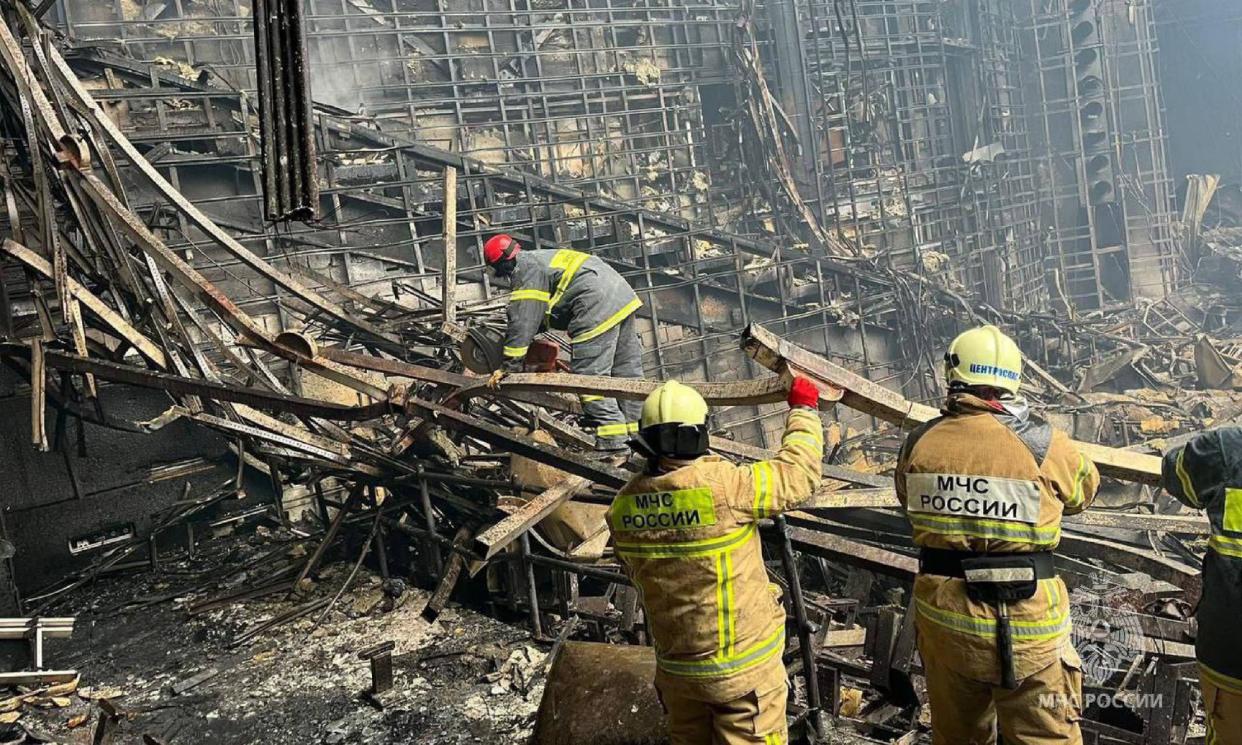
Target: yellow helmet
[673, 403]
[984, 356]
[673, 423]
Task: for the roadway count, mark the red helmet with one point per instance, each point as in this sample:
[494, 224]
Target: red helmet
[500, 248]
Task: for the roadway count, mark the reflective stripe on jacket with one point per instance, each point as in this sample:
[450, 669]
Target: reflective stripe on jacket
[566, 290]
[1206, 474]
[689, 541]
[1006, 497]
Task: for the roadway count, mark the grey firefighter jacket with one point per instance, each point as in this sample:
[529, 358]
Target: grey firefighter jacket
[1206, 474]
[565, 290]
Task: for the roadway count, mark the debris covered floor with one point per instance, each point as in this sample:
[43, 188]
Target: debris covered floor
[177, 675]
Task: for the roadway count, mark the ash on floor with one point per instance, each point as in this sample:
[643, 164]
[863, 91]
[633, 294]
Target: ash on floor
[178, 677]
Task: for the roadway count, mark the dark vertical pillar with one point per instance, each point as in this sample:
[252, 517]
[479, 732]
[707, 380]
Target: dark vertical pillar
[286, 124]
[792, 86]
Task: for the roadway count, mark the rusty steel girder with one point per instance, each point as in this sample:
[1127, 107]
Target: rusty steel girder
[856, 392]
[566, 460]
[183, 386]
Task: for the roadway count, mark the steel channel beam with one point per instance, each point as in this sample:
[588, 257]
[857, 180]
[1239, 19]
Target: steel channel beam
[436, 376]
[491, 541]
[735, 393]
[183, 386]
[566, 460]
[93, 303]
[782, 356]
[534, 388]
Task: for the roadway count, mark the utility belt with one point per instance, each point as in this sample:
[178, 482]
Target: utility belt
[995, 579]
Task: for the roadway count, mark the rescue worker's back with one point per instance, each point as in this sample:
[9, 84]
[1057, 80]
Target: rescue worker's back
[984, 487]
[1061, 482]
[1206, 474]
[687, 533]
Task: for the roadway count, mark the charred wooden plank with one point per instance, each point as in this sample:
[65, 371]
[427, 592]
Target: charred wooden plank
[494, 539]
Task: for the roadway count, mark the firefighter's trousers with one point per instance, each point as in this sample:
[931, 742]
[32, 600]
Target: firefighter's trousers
[1043, 710]
[617, 352]
[755, 717]
[1224, 712]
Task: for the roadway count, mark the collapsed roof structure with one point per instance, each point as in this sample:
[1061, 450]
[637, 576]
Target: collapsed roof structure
[853, 182]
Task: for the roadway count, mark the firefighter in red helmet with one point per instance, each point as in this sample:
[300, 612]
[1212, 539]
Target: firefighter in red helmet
[581, 294]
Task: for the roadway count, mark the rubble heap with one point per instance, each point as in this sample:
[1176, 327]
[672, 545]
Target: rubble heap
[419, 473]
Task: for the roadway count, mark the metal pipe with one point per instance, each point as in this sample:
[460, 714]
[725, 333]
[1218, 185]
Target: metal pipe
[532, 594]
[434, 557]
[814, 703]
[585, 571]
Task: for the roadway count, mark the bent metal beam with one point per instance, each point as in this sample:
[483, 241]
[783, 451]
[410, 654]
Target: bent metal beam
[782, 356]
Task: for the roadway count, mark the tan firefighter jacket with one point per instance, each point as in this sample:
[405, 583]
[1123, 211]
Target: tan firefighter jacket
[987, 480]
[689, 541]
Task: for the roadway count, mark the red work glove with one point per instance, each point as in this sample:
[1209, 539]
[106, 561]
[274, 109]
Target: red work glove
[803, 393]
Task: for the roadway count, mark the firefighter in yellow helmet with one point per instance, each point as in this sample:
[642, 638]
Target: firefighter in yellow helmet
[686, 530]
[992, 617]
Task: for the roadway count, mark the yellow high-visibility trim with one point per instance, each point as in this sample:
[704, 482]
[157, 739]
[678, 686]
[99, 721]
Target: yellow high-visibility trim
[725, 625]
[687, 549]
[539, 295]
[1054, 596]
[1016, 532]
[761, 474]
[613, 320]
[731, 616]
[590, 398]
[720, 602]
[570, 262]
[1080, 477]
[1220, 680]
[736, 663]
[986, 627]
[1226, 546]
[632, 428]
[516, 351]
[612, 430]
[1232, 519]
[1188, 485]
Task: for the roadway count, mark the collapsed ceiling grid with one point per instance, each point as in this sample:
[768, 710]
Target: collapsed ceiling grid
[862, 177]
